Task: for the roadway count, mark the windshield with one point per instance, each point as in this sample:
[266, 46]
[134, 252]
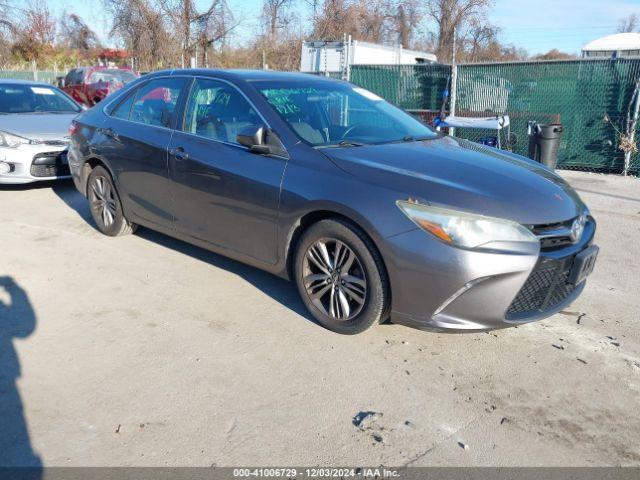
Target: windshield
[24, 98]
[113, 75]
[340, 114]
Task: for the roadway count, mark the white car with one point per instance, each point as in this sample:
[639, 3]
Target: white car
[34, 131]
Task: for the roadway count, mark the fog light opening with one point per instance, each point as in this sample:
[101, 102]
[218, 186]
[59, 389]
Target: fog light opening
[5, 168]
[459, 292]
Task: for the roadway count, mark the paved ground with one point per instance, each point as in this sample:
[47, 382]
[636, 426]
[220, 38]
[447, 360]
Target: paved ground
[143, 350]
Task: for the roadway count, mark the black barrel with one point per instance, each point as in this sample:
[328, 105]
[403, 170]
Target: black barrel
[544, 141]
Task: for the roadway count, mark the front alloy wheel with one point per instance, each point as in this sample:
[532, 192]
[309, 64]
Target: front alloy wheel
[334, 279]
[341, 277]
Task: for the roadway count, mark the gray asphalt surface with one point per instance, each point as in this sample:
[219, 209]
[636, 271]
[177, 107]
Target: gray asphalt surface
[143, 350]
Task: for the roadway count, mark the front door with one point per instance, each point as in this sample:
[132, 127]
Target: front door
[223, 193]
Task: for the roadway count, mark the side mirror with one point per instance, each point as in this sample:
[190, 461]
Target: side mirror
[253, 137]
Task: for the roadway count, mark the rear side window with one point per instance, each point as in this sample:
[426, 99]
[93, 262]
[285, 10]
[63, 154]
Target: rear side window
[124, 108]
[74, 77]
[77, 77]
[155, 102]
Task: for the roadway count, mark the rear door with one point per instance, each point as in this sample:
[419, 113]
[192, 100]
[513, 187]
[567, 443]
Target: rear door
[223, 193]
[134, 139]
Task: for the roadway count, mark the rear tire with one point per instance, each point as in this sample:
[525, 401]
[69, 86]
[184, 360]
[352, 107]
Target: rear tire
[341, 277]
[105, 205]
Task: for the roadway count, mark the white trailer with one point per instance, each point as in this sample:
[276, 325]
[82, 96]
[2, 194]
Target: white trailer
[328, 56]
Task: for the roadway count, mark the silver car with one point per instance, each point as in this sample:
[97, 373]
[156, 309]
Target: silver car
[34, 128]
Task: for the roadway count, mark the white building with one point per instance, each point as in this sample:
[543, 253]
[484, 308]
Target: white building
[613, 46]
[324, 56]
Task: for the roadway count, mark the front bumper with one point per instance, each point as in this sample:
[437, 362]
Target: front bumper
[34, 163]
[441, 288]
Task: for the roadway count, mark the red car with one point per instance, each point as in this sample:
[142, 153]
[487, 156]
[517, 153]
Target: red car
[89, 85]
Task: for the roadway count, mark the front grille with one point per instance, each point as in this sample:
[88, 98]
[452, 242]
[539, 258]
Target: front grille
[545, 288]
[50, 164]
[59, 143]
[553, 236]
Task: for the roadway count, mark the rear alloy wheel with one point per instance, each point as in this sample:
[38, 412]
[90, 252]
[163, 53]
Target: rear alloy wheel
[340, 277]
[105, 205]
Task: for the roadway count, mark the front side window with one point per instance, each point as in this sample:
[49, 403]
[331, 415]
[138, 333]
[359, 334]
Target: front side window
[155, 102]
[328, 114]
[27, 98]
[218, 111]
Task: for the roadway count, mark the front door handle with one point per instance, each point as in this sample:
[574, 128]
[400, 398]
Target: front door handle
[179, 154]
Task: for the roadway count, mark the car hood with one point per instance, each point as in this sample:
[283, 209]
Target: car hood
[466, 176]
[37, 126]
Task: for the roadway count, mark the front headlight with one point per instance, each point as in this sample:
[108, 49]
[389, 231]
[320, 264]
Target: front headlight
[466, 230]
[12, 141]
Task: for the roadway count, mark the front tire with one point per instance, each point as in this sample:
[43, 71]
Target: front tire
[105, 205]
[341, 277]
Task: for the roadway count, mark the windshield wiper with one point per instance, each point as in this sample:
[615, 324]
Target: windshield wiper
[407, 139]
[343, 143]
[48, 112]
[350, 143]
[410, 138]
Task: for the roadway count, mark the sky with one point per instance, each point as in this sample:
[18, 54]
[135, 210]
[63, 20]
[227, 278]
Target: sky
[535, 25]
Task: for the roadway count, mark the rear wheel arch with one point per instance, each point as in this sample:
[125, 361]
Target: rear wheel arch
[87, 168]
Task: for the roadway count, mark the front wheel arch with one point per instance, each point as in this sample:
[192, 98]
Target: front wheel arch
[311, 218]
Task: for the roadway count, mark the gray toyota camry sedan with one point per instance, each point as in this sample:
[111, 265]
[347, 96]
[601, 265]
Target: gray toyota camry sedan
[372, 214]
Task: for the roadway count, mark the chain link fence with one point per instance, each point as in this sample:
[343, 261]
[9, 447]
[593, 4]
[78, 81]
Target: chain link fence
[45, 76]
[577, 94]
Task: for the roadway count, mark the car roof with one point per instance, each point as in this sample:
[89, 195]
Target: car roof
[101, 67]
[247, 75]
[11, 81]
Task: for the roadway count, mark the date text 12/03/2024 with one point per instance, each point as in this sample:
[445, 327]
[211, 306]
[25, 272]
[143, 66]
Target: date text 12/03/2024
[377, 472]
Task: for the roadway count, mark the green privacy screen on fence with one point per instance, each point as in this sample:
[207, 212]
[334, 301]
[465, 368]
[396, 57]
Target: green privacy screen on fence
[576, 93]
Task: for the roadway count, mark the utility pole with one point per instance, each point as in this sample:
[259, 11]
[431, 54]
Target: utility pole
[454, 83]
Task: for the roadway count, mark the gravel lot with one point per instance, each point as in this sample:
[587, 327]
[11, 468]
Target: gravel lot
[143, 350]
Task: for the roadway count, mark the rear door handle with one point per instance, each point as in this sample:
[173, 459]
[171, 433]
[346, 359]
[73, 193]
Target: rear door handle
[179, 153]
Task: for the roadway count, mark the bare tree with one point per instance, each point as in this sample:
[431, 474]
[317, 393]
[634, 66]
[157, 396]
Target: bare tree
[198, 29]
[334, 18]
[7, 33]
[408, 16]
[554, 54]
[143, 29]
[629, 24]
[36, 32]
[369, 20]
[277, 15]
[76, 34]
[451, 16]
